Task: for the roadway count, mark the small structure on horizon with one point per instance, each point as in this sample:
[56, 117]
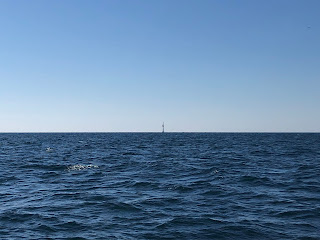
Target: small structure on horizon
[163, 127]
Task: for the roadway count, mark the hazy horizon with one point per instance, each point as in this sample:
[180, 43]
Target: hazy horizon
[127, 66]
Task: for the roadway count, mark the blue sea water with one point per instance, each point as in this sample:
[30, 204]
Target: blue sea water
[160, 186]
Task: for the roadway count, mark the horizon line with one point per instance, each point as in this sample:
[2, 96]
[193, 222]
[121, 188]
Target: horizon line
[166, 132]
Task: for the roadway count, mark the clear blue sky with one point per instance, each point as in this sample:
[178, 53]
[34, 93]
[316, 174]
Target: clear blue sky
[129, 65]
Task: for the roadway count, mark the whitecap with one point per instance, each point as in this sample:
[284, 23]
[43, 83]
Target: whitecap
[79, 167]
[49, 149]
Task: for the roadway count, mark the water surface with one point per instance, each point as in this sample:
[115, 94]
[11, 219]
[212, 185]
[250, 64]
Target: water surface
[160, 186]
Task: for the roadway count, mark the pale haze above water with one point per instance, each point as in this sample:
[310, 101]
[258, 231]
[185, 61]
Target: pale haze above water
[122, 66]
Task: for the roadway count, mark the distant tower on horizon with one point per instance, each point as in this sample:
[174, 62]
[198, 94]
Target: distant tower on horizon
[163, 127]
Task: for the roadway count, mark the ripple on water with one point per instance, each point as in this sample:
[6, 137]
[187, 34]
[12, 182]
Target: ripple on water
[159, 186]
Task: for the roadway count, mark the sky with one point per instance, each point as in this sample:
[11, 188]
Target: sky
[128, 66]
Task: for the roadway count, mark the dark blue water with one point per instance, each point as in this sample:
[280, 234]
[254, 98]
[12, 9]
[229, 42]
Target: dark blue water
[160, 186]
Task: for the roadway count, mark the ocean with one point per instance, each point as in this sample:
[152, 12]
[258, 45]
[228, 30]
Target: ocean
[160, 186]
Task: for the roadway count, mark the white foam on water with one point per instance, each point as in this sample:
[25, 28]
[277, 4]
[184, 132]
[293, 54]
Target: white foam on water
[49, 149]
[79, 167]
